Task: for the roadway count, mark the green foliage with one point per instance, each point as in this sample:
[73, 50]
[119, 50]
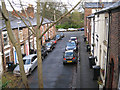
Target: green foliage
[73, 20]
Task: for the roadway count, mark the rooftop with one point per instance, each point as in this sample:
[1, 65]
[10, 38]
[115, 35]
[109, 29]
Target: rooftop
[98, 4]
[14, 20]
[112, 7]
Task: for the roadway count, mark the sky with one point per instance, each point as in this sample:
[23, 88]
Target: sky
[33, 2]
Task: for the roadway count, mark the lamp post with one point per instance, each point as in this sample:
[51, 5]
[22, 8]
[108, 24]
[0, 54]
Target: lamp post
[15, 54]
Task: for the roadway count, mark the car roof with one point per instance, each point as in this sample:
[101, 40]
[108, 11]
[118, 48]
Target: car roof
[68, 51]
[29, 56]
[73, 37]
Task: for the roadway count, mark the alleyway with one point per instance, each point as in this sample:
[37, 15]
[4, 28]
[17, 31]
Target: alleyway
[86, 74]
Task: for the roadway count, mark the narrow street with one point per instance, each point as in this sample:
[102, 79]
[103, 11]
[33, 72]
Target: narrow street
[57, 75]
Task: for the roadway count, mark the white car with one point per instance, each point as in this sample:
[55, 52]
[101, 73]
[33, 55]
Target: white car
[74, 39]
[72, 29]
[61, 29]
[30, 62]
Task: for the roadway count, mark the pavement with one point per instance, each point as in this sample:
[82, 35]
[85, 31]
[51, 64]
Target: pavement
[84, 72]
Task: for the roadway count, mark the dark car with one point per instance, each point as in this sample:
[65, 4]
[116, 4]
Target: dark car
[70, 56]
[61, 35]
[71, 46]
[44, 52]
[80, 29]
[49, 46]
[53, 41]
[58, 37]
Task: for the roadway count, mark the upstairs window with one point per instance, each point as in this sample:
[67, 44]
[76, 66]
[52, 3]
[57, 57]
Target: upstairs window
[21, 35]
[106, 29]
[5, 39]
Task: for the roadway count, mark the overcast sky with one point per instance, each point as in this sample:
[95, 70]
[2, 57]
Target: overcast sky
[33, 2]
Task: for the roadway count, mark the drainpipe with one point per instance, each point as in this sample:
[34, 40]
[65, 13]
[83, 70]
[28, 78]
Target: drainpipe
[1, 64]
[108, 47]
[93, 33]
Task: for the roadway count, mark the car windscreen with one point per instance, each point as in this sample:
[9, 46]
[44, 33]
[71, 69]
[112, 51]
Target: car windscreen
[26, 61]
[73, 38]
[48, 44]
[57, 36]
[69, 54]
[71, 44]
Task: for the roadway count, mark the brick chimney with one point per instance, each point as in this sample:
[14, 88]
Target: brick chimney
[29, 10]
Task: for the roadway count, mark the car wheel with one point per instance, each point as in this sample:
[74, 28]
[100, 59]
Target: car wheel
[76, 62]
[46, 53]
[64, 63]
[30, 71]
[42, 58]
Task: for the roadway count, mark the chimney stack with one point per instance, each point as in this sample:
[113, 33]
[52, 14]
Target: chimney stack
[29, 10]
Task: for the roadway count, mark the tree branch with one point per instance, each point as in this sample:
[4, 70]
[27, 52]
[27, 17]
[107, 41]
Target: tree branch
[21, 18]
[26, 15]
[2, 28]
[5, 17]
[26, 38]
[60, 19]
[42, 15]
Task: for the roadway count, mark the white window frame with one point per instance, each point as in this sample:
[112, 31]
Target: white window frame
[22, 49]
[21, 32]
[6, 46]
[106, 29]
[7, 52]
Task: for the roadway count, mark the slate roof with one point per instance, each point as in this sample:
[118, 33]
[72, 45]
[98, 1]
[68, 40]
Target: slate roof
[97, 4]
[14, 20]
[113, 6]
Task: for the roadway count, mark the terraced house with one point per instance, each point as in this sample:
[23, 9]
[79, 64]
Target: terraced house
[27, 40]
[105, 44]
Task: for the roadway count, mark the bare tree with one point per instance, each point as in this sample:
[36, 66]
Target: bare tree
[36, 32]
[15, 43]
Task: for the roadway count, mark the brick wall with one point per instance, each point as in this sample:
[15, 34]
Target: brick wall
[112, 78]
[89, 29]
[88, 11]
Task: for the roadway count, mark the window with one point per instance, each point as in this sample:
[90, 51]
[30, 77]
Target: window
[21, 35]
[106, 29]
[33, 58]
[7, 55]
[22, 49]
[5, 39]
[31, 45]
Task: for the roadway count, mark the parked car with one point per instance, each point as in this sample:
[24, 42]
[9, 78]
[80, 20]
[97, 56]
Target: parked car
[58, 37]
[49, 46]
[71, 46]
[30, 62]
[72, 29]
[74, 39]
[61, 29]
[53, 41]
[44, 52]
[80, 29]
[61, 35]
[70, 56]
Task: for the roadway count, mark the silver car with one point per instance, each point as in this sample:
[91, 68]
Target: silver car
[30, 62]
